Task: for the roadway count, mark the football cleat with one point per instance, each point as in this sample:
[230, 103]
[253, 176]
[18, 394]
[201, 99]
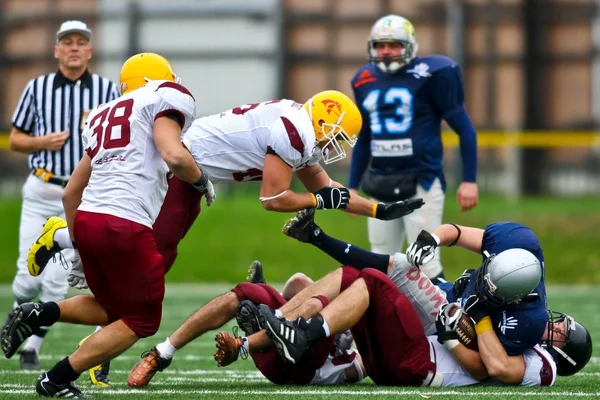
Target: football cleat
[246, 316]
[45, 247]
[23, 322]
[99, 374]
[29, 360]
[142, 373]
[290, 340]
[300, 226]
[255, 273]
[46, 388]
[229, 348]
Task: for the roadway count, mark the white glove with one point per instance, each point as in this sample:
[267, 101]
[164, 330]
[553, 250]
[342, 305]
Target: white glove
[76, 277]
[205, 186]
[422, 250]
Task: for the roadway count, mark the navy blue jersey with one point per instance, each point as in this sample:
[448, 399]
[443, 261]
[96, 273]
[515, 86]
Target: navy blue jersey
[402, 115]
[519, 327]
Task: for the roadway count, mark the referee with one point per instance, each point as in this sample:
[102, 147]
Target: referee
[47, 125]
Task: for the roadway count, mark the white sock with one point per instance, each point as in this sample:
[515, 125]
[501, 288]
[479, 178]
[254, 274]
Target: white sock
[34, 343]
[166, 349]
[326, 328]
[278, 313]
[245, 349]
[97, 328]
[61, 236]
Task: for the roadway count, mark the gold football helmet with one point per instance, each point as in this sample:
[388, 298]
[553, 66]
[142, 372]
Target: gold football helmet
[144, 67]
[336, 120]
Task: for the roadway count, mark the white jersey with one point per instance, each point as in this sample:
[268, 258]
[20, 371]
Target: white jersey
[540, 368]
[129, 178]
[232, 145]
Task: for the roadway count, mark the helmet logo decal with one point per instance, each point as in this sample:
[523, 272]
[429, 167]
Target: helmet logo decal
[332, 106]
[491, 287]
[409, 28]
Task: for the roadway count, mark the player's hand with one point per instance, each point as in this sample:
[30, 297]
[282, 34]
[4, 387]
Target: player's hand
[205, 186]
[422, 250]
[54, 141]
[475, 307]
[329, 198]
[399, 209]
[76, 277]
[460, 284]
[445, 324]
[467, 195]
[353, 192]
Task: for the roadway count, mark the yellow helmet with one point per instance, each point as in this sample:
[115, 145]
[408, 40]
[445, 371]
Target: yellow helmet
[336, 120]
[145, 67]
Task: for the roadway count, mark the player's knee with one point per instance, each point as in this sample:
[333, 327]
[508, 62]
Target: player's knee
[295, 284]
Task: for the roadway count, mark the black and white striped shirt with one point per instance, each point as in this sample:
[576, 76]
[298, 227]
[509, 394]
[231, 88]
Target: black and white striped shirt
[53, 103]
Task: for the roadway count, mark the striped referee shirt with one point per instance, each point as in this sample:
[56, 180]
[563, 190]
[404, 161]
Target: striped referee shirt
[53, 103]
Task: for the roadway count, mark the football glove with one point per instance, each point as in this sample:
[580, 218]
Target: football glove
[329, 198]
[476, 307]
[460, 284]
[205, 186]
[399, 209]
[422, 250]
[446, 325]
[76, 277]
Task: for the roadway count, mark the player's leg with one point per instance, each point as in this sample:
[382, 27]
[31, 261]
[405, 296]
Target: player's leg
[386, 237]
[295, 284]
[427, 218]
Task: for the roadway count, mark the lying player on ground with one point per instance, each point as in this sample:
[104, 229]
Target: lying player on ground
[327, 362]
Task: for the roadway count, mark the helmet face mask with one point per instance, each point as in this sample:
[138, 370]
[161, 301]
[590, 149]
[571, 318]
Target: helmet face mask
[336, 120]
[144, 67]
[507, 277]
[392, 29]
[569, 343]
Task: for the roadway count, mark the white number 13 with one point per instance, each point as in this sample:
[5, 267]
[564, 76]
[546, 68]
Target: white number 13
[402, 122]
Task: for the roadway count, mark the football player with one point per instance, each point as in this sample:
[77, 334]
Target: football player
[403, 99]
[396, 351]
[271, 141]
[328, 362]
[111, 202]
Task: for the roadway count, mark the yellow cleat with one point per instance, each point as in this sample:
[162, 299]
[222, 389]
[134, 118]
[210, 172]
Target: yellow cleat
[45, 247]
[99, 374]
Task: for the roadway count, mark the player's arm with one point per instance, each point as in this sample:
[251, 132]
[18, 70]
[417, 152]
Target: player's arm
[500, 366]
[275, 193]
[470, 361]
[361, 153]
[23, 142]
[71, 197]
[458, 235]
[167, 137]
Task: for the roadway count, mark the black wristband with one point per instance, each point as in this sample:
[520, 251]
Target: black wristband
[202, 181]
[459, 233]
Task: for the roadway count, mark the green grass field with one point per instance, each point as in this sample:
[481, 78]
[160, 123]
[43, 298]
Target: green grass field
[194, 374]
[237, 230]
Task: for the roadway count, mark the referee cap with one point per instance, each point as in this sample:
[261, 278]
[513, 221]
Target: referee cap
[73, 26]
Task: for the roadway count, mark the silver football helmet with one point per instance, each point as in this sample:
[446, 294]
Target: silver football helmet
[393, 28]
[509, 276]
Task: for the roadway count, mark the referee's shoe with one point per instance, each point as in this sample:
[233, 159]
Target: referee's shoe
[44, 247]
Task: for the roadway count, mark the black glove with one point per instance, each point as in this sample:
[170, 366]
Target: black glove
[422, 250]
[331, 197]
[446, 325]
[460, 284]
[399, 209]
[476, 308]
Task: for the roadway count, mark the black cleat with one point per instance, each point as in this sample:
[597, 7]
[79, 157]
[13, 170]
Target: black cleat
[247, 316]
[301, 226]
[22, 323]
[255, 273]
[29, 360]
[46, 388]
[289, 339]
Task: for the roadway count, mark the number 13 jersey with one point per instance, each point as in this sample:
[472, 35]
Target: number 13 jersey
[129, 178]
[232, 145]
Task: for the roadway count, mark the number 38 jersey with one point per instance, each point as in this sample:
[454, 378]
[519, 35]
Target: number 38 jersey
[232, 145]
[129, 178]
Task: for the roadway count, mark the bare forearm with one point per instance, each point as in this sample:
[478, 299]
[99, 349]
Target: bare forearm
[289, 202]
[70, 203]
[499, 364]
[471, 361]
[184, 167]
[24, 143]
[470, 238]
[358, 205]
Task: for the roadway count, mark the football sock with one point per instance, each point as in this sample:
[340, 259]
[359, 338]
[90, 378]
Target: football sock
[63, 372]
[50, 315]
[278, 313]
[347, 253]
[166, 349]
[62, 238]
[245, 349]
[35, 341]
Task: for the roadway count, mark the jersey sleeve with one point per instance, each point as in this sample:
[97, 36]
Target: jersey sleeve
[23, 116]
[449, 93]
[288, 142]
[501, 236]
[175, 99]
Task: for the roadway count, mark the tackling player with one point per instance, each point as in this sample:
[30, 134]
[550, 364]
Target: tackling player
[403, 99]
[111, 202]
